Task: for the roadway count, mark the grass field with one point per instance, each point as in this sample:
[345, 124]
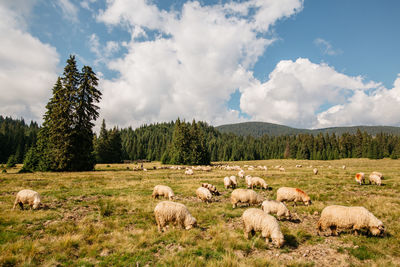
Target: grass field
[105, 218]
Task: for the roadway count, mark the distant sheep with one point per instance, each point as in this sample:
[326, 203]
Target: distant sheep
[234, 181]
[281, 169]
[228, 183]
[344, 167]
[212, 188]
[374, 178]
[203, 194]
[276, 207]
[245, 196]
[189, 172]
[163, 190]
[315, 171]
[27, 196]
[241, 173]
[379, 174]
[255, 220]
[299, 166]
[177, 213]
[258, 182]
[354, 218]
[292, 194]
[360, 178]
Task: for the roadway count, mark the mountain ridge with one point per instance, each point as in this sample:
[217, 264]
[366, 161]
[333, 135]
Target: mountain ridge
[257, 129]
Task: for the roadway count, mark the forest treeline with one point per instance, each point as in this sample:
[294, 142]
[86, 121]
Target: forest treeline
[154, 141]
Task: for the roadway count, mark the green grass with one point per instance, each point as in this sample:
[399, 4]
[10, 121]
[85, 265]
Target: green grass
[105, 218]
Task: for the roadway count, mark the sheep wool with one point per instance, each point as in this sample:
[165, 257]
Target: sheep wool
[245, 196]
[234, 181]
[276, 207]
[374, 178]
[292, 194]
[258, 221]
[315, 171]
[27, 196]
[353, 218]
[163, 190]
[360, 178]
[177, 213]
[203, 194]
[228, 183]
[212, 188]
[258, 182]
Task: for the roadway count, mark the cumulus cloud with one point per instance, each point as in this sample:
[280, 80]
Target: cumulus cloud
[186, 63]
[297, 91]
[326, 47]
[27, 66]
[70, 11]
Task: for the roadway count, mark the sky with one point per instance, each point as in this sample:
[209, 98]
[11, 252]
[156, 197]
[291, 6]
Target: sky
[305, 64]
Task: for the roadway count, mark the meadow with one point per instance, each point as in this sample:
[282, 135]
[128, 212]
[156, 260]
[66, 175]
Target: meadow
[105, 217]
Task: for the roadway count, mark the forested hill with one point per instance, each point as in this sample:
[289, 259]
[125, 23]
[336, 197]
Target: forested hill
[258, 129]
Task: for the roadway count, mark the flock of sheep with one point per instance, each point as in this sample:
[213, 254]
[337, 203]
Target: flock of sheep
[254, 220]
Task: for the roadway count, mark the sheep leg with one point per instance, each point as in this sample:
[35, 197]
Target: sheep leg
[333, 230]
[15, 204]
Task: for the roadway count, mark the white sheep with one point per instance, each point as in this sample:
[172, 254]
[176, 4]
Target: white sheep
[299, 166]
[379, 174]
[245, 196]
[241, 173]
[276, 207]
[255, 220]
[203, 194]
[248, 180]
[234, 181]
[344, 167]
[212, 188]
[27, 196]
[163, 190]
[374, 178]
[189, 172]
[281, 169]
[177, 213]
[354, 218]
[228, 182]
[315, 171]
[292, 194]
[360, 178]
[258, 182]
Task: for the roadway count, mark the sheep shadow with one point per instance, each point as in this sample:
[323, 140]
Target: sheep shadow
[290, 241]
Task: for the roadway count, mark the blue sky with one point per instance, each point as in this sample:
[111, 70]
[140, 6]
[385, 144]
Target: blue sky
[308, 64]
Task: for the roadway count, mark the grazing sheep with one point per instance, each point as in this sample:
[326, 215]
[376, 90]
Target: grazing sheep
[189, 172]
[245, 196]
[177, 213]
[212, 188]
[203, 194]
[27, 196]
[255, 220]
[299, 166]
[234, 181]
[360, 178]
[374, 178]
[344, 167]
[379, 174]
[228, 183]
[315, 170]
[276, 207]
[355, 218]
[258, 182]
[163, 190]
[281, 169]
[292, 194]
[241, 173]
[248, 180]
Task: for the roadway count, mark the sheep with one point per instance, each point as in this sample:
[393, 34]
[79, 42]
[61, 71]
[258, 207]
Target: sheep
[379, 174]
[228, 183]
[248, 180]
[189, 172]
[374, 178]
[299, 166]
[203, 194]
[315, 171]
[292, 194]
[241, 173]
[355, 218]
[168, 211]
[234, 181]
[245, 196]
[257, 181]
[281, 169]
[27, 196]
[212, 188]
[276, 207]
[360, 178]
[255, 220]
[163, 190]
[344, 167]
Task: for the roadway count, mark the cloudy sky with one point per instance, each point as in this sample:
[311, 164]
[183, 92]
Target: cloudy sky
[307, 64]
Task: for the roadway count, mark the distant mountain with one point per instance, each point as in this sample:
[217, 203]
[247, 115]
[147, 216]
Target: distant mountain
[258, 129]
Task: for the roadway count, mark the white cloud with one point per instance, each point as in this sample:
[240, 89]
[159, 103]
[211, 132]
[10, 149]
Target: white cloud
[198, 58]
[102, 52]
[297, 90]
[326, 47]
[69, 10]
[86, 4]
[27, 66]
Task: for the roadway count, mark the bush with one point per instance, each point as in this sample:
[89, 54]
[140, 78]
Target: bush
[12, 161]
[31, 161]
